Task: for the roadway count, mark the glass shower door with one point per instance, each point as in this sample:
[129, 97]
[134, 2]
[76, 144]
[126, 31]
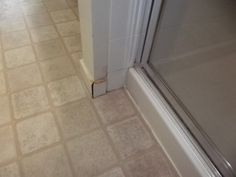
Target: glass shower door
[193, 53]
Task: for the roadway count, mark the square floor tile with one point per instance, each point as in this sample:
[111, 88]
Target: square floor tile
[73, 43]
[35, 8]
[5, 115]
[63, 15]
[38, 20]
[130, 137]
[11, 170]
[49, 163]
[114, 106]
[151, 164]
[115, 172]
[66, 90]
[3, 88]
[49, 49]
[77, 118]
[57, 68]
[10, 24]
[7, 148]
[91, 154]
[24, 77]
[19, 56]
[37, 132]
[43, 33]
[15, 39]
[68, 28]
[29, 102]
[53, 5]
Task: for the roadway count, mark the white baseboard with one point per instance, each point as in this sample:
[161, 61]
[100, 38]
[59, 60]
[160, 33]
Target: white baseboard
[184, 153]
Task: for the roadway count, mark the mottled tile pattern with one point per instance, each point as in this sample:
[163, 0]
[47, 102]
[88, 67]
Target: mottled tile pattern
[38, 20]
[29, 102]
[5, 115]
[73, 43]
[63, 15]
[114, 106]
[11, 170]
[69, 28]
[116, 172]
[130, 137]
[66, 90]
[49, 163]
[91, 154]
[19, 56]
[8, 147]
[77, 118]
[57, 68]
[43, 33]
[151, 164]
[37, 132]
[15, 39]
[49, 49]
[49, 124]
[2, 83]
[24, 77]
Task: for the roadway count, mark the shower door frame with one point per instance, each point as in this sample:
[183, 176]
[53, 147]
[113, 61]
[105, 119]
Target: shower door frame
[217, 163]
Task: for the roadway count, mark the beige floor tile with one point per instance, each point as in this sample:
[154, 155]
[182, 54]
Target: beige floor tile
[72, 3]
[38, 20]
[49, 163]
[114, 106]
[35, 8]
[63, 15]
[73, 43]
[69, 28]
[11, 170]
[37, 132]
[7, 148]
[5, 115]
[19, 56]
[1, 59]
[57, 68]
[91, 154]
[43, 33]
[115, 172]
[10, 24]
[152, 164]
[76, 11]
[27, 2]
[24, 77]
[54, 5]
[66, 90]
[3, 88]
[15, 39]
[49, 49]
[76, 57]
[29, 102]
[77, 118]
[130, 137]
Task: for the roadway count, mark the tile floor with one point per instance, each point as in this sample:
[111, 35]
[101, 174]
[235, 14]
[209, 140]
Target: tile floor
[49, 125]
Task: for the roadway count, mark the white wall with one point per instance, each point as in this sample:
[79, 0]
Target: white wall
[111, 30]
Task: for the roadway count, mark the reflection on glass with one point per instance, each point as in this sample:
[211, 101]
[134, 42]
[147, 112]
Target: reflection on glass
[194, 51]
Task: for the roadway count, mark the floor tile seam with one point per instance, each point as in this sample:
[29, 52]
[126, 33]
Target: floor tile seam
[66, 151]
[13, 124]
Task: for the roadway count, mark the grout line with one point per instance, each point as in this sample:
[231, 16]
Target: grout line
[12, 122]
